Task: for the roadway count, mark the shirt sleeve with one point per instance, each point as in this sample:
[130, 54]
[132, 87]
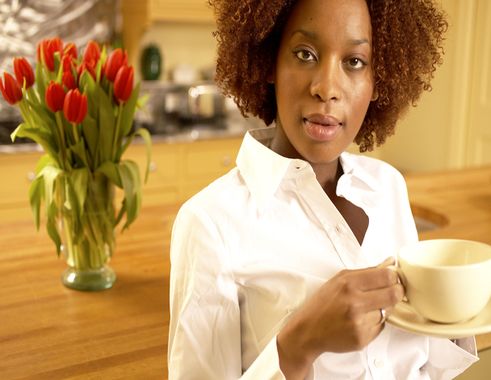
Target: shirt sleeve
[447, 359]
[204, 331]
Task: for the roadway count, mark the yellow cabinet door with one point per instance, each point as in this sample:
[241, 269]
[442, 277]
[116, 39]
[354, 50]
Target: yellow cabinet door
[162, 185]
[180, 10]
[205, 161]
[17, 171]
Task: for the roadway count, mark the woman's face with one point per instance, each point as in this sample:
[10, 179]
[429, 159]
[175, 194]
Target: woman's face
[323, 78]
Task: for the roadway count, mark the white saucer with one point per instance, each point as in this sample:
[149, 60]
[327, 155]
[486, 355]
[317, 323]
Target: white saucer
[406, 318]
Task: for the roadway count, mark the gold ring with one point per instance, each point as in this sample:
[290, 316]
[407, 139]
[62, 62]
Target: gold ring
[383, 316]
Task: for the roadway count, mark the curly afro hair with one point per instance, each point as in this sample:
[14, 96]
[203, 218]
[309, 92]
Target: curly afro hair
[407, 47]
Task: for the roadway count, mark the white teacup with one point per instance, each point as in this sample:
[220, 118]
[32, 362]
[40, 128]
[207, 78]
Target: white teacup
[446, 280]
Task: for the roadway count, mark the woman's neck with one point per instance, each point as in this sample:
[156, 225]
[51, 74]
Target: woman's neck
[328, 175]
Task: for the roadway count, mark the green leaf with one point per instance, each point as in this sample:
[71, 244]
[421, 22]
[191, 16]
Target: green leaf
[107, 123]
[72, 204]
[79, 179]
[49, 174]
[142, 101]
[51, 228]
[91, 136]
[148, 145]
[43, 161]
[128, 112]
[39, 136]
[127, 142]
[121, 213]
[80, 151]
[41, 118]
[130, 177]
[89, 87]
[36, 195]
[111, 171]
[41, 81]
[98, 68]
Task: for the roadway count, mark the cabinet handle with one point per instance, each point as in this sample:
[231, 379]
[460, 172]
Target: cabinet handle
[152, 167]
[31, 176]
[226, 160]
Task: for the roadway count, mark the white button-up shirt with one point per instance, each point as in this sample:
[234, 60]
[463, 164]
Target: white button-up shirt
[250, 248]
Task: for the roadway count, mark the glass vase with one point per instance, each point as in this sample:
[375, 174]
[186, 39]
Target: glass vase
[87, 237]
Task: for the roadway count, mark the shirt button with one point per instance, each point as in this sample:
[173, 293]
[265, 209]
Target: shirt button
[379, 363]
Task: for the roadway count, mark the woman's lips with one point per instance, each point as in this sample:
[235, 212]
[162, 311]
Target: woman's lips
[322, 127]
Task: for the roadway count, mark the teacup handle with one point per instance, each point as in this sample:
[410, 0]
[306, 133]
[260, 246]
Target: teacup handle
[400, 275]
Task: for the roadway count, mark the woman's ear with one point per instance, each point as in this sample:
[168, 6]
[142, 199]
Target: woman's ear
[374, 94]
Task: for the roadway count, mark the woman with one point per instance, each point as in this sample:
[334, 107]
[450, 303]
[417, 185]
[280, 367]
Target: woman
[279, 268]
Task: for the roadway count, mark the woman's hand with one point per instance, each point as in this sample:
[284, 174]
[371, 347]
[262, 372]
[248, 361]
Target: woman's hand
[343, 315]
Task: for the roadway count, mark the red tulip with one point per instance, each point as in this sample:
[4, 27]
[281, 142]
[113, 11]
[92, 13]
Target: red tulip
[46, 51]
[70, 50]
[123, 83]
[75, 106]
[67, 62]
[92, 54]
[23, 72]
[10, 89]
[68, 80]
[55, 96]
[115, 61]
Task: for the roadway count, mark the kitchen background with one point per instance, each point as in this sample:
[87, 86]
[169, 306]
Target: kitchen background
[450, 128]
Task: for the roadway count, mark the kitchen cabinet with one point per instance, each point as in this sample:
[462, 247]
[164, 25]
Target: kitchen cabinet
[169, 10]
[17, 173]
[205, 161]
[180, 10]
[138, 16]
[177, 171]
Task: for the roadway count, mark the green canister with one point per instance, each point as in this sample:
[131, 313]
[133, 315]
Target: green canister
[151, 62]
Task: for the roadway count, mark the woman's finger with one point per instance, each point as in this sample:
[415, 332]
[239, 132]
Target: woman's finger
[373, 278]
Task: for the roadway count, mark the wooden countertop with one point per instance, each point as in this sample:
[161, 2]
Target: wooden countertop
[50, 332]
[459, 202]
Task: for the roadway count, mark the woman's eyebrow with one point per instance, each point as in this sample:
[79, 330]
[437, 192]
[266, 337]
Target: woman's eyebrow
[359, 41]
[314, 36]
[306, 33]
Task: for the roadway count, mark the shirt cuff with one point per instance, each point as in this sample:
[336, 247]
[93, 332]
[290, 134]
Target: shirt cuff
[448, 359]
[266, 365]
[468, 344]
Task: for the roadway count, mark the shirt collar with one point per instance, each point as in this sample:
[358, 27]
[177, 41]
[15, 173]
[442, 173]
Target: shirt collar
[263, 169]
[352, 167]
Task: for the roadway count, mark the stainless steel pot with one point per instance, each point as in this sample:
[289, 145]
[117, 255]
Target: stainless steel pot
[199, 102]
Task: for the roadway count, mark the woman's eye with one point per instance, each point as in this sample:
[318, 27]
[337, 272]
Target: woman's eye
[356, 63]
[305, 55]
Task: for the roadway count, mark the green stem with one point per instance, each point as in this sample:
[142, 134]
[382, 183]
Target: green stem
[72, 256]
[59, 123]
[25, 112]
[75, 132]
[33, 96]
[116, 132]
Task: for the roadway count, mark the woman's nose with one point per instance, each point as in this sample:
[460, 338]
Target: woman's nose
[325, 85]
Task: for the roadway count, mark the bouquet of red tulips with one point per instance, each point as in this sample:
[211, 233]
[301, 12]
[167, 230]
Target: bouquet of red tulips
[80, 110]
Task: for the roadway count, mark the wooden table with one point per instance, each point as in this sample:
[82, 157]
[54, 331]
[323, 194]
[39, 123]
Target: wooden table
[50, 332]
[459, 202]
